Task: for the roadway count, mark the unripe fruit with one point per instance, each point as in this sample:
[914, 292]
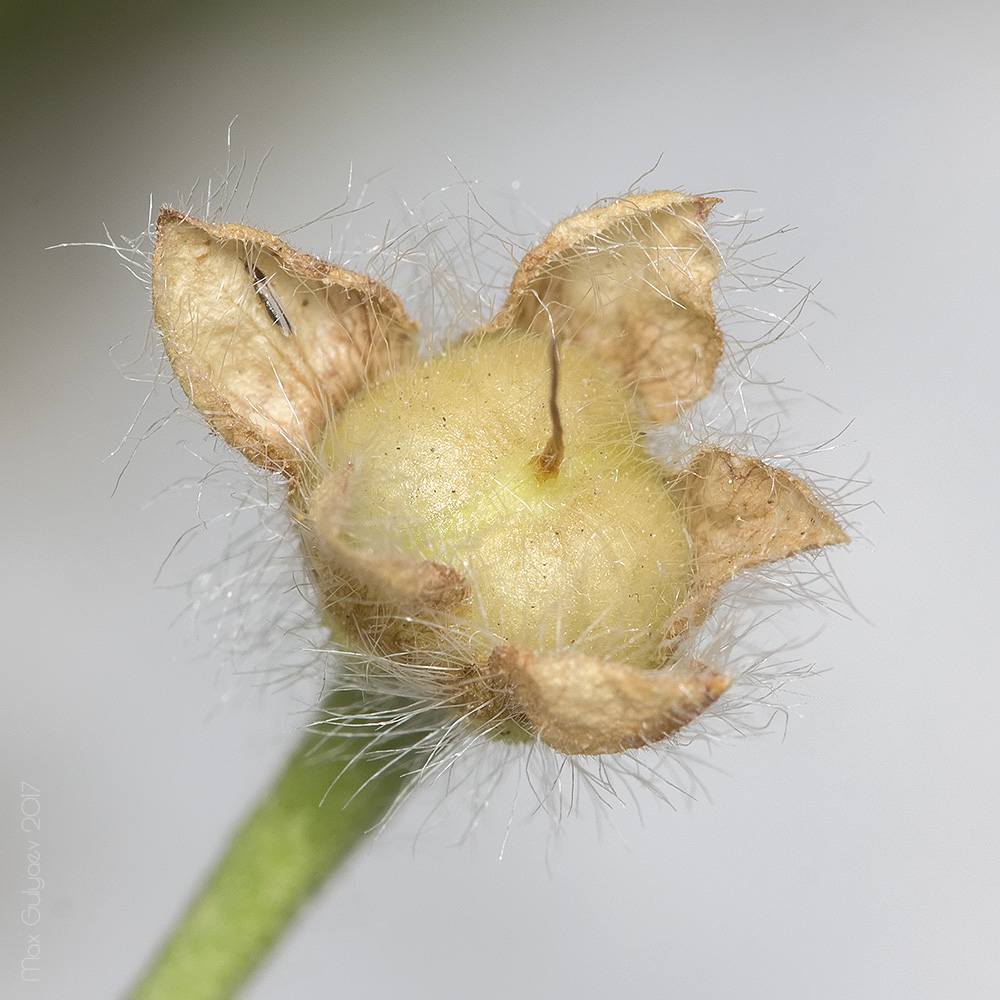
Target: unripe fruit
[438, 465]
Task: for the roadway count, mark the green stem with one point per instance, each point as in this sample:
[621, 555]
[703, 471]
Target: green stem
[317, 811]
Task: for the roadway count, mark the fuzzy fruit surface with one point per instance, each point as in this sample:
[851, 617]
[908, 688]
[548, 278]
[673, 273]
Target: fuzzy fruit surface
[440, 459]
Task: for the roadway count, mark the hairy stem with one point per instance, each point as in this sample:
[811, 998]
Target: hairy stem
[316, 812]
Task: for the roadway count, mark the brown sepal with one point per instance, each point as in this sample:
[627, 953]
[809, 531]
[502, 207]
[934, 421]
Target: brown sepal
[406, 585]
[268, 342]
[742, 512]
[586, 705]
[632, 283]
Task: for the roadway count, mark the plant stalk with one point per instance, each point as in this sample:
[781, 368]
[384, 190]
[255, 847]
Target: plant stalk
[330, 795]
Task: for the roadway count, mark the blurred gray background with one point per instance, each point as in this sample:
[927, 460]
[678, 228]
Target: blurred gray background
[849, 853]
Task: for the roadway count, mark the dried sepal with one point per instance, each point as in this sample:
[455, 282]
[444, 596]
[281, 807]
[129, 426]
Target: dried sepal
[742, 512]
[267, 341]
[632, 282]
[381, 579]
[585, 705]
